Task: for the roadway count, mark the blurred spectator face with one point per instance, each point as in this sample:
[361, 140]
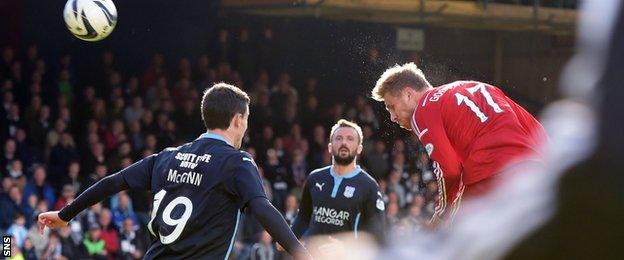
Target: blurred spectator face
[15, 194]
[252, 152]
[170, 126]
[92, 126]
[59, 126]
[223, 35]
[20, 221]
[114, 79]
[148, 117]
[399, 159]
[393, 209]
[107, 57]
[415, 178]
[395, 176]
[284, 80]
[40, 66]
[399, 145]
[44, 114]
[101, 170]
[271, 155]
[67, 140]
[135, 127]
[105, 218]
[203, 61]
[415, 211]
[20, 135]
[89, 93]
[9, 146]
[64, 75]
[298, 156]
[125, 162]
[74, 169]
[125, 149]
[419, 201]
[380, 147]
[123, 201]
[16, 169]
[7, 97]
[32, 201]
[95, 233]
[312, 103]
[158, 59]
[6, 184]
[319, 133]
[32, 52]
[128, 225]
[150, 141]
[35, 102]
[137, 102]
[291, 203]
[93, 139]
[311, 83]
[267, 133]
[39, 176]
[66, 60]
[383, 185]
[119, 103]
[393, 198]
[267, 33]
[118, 127]
[263, 77]
[68, 192]
[8, 54]
[28, 244]
[14, 111]
[98, 149]
[97, 207]
[432, 187]
[42, 206]
[367, 131]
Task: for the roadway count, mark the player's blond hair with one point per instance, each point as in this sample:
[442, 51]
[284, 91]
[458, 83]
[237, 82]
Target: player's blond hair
[346, 123]
[397, 78]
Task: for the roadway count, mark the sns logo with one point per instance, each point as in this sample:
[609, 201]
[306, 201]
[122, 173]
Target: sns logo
[320, 186]
[6, 246]
[429, 148]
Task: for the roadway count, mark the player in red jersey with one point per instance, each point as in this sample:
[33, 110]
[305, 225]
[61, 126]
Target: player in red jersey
[471, 131]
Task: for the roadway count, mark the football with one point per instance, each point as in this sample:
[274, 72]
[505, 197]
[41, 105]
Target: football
[90, 20]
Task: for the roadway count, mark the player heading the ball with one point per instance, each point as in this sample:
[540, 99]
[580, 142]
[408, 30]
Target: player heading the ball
[471, 131]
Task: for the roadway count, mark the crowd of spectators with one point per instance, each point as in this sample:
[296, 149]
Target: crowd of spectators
[60, 135]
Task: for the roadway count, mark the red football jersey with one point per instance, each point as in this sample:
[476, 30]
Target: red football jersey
[471, 131]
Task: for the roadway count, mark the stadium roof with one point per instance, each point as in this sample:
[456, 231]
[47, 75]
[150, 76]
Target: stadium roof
[455, 14]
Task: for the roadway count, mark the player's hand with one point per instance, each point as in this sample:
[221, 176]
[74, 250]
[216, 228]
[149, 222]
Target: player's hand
[332, 247]
[279, 247]
[50, 219]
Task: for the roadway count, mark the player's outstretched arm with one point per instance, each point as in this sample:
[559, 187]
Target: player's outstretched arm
[135, 176]
[276, 225]
[98, 192]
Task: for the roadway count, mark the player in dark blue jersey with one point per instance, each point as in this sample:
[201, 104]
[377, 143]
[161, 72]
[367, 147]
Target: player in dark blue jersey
[341, 197]
[200, 188]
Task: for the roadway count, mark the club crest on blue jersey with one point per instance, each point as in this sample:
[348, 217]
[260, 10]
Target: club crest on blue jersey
[348, 192]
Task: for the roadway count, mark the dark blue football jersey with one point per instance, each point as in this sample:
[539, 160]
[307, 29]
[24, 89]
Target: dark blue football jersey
[332, 204]
[200, 189]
